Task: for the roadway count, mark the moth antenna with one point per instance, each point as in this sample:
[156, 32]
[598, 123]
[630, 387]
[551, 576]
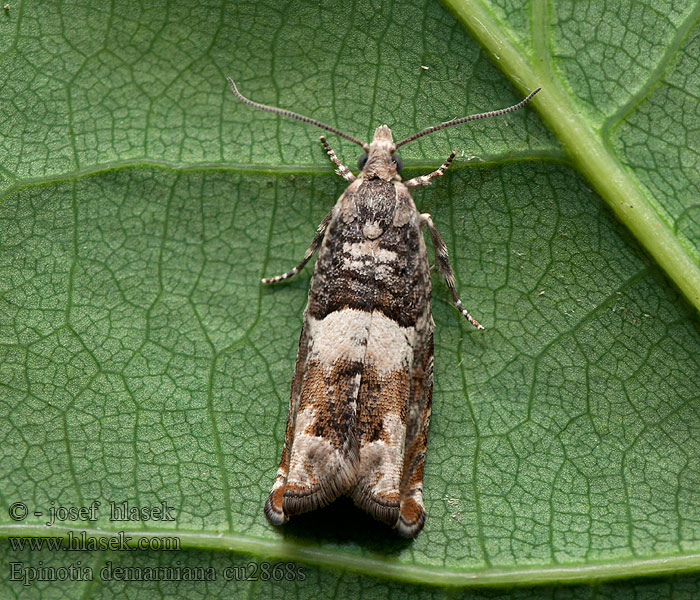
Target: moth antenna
[293, 115]
[491, 113]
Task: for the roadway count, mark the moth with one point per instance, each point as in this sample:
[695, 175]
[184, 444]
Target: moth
[363, 381]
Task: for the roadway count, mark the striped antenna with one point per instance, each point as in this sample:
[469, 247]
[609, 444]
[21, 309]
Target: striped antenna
[492, 113]
[293, 115]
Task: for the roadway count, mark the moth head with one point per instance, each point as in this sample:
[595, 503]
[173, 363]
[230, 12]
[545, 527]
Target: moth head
[381, 160]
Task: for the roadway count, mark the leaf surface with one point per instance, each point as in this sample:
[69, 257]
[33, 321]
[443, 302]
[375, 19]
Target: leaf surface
[141, 361]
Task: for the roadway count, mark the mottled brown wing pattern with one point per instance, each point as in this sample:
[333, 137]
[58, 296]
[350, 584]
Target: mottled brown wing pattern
[360, 404]
[367, 320]
[362, 389]
[273, 506]
[403, 329]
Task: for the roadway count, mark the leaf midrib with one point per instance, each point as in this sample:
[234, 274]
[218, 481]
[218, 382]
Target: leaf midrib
[388, 568]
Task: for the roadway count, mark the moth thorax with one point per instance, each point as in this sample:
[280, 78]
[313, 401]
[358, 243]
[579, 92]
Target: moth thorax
[379, 164]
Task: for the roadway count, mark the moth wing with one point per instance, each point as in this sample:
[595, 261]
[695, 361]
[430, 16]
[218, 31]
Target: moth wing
[393, 419]
[274, 510]
[382, 406]
[320, 456]
[396, 389]
[324, 453]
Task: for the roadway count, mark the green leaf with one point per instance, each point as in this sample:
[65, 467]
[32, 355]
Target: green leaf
[141, 361]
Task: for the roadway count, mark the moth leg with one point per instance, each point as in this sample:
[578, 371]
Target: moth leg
[342, 170]
[443, 262]
[425, 179]
[316, 242]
